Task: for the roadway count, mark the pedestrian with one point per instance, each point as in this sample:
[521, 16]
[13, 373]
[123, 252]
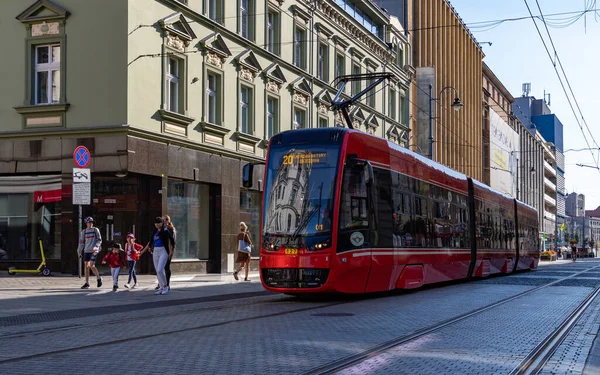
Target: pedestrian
[161, 246]
[89, 242]
[170, 227]
[244, 250]
[132, 254]
[115, 262]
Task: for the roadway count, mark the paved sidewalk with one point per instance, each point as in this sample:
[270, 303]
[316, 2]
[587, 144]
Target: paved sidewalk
[32, 294]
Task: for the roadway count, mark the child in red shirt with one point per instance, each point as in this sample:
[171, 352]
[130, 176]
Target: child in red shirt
[115, 262]
[132, 254]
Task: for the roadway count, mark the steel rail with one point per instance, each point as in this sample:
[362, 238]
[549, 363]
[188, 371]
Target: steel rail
[351, 360]
[534, 362]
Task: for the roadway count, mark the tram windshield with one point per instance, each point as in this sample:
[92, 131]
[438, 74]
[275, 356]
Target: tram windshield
[299, 191]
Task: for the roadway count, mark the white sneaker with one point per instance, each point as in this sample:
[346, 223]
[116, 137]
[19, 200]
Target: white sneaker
[134, 286]
[165, 290]
[160, 291]
[127, 286]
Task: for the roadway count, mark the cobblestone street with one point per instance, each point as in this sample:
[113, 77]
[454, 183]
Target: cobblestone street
[214, 325]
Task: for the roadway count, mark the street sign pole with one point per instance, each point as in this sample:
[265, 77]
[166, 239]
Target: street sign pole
[82, 181]
[80, 260]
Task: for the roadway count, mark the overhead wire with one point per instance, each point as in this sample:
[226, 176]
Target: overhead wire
[559, 76]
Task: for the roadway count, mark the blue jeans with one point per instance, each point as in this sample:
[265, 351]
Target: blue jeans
[131, 265]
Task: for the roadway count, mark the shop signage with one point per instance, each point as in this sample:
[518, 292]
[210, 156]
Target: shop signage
[47, 196]
[112, 201]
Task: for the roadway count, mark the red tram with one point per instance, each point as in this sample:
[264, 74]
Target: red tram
[344, 211]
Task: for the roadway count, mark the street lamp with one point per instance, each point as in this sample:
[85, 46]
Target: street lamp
[456, 105]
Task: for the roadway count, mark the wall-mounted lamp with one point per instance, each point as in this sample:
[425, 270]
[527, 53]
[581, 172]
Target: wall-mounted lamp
[195, 79]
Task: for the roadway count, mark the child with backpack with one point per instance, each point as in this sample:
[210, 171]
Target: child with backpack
[115, 262]
[132, 254]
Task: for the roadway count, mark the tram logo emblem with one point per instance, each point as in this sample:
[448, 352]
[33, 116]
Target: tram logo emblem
[357, 239]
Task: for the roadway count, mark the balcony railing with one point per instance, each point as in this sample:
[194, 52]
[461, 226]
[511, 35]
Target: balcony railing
[550, 186]
[548, 199]
[549, 168]
[549, 216]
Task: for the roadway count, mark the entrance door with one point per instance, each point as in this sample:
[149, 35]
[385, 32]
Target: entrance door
[114, 226]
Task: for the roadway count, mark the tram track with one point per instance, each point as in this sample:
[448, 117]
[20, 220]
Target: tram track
[240, 302]
[534, 361]
[169, 332]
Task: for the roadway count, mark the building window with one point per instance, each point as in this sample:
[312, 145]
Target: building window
[393, 105]
[403, 110]
[354, 11]
[323, 62]
[299, 118]
[272, 117]
[400, 56]
[26, 217]
[215, 10]
[173, 85]
[355, 84]
[246, 110]
[340, 65]
[213, 98]
[272, 37]
[247, 19]
[371, 96]
[300, 48]
[187, 205]
[250, 213]
[323, 122]
[47, 74]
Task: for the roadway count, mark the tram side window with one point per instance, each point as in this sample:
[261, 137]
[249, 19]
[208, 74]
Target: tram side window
[402, 204]
[353, 212]
[421, 221]
[384, 207]
[442, 224]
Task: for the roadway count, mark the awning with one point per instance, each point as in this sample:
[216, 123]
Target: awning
[29, 184]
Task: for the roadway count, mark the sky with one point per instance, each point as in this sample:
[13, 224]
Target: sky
[517, 55]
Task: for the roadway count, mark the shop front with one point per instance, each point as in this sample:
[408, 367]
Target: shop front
[133, 181]
[30, 212]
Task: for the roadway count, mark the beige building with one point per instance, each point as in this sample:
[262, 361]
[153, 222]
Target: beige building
[448, 63]
[171, 98]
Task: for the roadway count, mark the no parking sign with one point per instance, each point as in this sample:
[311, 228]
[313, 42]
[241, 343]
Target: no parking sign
[81, 156]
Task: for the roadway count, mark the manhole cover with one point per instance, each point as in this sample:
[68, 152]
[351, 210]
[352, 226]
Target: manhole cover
[333, 314]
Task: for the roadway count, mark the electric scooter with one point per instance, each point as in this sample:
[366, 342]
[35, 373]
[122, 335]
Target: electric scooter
[41, 268]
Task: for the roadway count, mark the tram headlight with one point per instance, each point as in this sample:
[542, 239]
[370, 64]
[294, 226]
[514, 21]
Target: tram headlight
[321, 245]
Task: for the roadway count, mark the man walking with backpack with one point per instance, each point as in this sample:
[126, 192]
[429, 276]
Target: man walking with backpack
[90, 241]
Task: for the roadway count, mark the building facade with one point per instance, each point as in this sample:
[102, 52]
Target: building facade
[448, 63]
[172, 100]
[575, 204]
[533, 114]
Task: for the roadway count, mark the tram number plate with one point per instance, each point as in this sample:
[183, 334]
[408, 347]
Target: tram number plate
[291, 251]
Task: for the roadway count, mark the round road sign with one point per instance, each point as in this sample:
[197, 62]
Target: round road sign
[81, 157]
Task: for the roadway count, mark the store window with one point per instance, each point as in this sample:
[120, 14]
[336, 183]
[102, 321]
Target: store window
[27, 217]
[188, 207]
[250, 214]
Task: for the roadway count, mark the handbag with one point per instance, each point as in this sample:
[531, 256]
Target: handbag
[246, 249]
